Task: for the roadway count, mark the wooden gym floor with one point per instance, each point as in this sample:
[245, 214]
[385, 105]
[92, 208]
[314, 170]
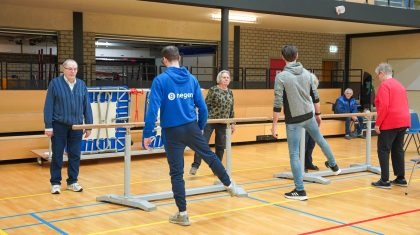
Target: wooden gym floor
[349, 205]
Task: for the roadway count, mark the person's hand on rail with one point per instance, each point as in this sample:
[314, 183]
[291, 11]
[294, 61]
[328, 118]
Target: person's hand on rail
[147, 142]
[87, 133]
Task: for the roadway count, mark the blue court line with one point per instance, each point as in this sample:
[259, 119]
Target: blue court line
[314, 215]
[170, 203]
[246, 183]
[48, 224]
[52, 210]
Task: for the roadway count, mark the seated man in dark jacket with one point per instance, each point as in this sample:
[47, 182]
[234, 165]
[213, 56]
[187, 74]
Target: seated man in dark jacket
[347, 104]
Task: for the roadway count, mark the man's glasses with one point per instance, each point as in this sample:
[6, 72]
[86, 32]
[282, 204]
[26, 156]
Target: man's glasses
[71, 69]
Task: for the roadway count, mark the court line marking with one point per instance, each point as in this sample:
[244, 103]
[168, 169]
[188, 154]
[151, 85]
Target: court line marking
[317, 216]
[228, 211]
[159, 204]
[48, 224]
[3, 232]
[361, 221]
[51, 210]
[151, 181]
[203, 198]
[193, 200]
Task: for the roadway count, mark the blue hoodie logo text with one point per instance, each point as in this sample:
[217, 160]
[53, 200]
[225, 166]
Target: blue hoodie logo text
[172, 96]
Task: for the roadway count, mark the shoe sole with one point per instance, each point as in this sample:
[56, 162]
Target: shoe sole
[81, 190]
[180, 223]
[383, 187]
[56, 192]
[401, 185]
[337, 172]
[300, 198]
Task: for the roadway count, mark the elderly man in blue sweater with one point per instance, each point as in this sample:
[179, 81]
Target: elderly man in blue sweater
[177, 94]
[67, 103]
[347, 104]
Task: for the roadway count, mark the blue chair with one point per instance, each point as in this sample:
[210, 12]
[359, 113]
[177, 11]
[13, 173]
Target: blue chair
[415, 162]
[413, 132]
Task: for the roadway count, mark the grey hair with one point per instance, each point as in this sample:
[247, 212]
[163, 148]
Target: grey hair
[67, 61]
[348, 89]
[384, 68]
[219, 75]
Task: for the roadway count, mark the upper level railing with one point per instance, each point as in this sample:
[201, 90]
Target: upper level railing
[408, 4]
[26, 76]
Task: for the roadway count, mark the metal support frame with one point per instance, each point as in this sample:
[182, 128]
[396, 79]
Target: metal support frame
[143, 201]
[318, 177]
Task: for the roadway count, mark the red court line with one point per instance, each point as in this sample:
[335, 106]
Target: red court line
[361, 221]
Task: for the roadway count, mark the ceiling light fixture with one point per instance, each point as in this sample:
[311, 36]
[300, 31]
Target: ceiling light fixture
[250, 19]
[106, 44]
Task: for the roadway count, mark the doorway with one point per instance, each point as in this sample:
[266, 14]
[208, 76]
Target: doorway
[329, 68]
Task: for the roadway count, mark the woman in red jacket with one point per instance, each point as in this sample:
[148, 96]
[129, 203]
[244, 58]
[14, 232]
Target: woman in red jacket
[392, 121]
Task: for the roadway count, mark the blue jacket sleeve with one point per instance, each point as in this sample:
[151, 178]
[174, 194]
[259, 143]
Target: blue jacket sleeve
[87, 109]
[353, 108]
[155, 100]
[340, 106]
[49, 106]
[201, 105]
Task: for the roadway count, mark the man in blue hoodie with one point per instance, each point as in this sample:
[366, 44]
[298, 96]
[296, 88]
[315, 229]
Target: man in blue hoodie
[177, 94]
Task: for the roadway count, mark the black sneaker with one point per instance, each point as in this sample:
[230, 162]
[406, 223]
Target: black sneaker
[312, 168]
[399, 182]
[296, 195]
[382, 184]
[336, 170]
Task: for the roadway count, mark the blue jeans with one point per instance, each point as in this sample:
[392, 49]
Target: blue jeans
[293, 132]
[65, 136]
[176, 139]
[359, 127]
[220, 141]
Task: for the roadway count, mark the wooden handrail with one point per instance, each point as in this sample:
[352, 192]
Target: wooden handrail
[225, 121]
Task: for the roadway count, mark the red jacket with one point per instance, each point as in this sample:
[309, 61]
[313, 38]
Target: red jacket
[392, 105]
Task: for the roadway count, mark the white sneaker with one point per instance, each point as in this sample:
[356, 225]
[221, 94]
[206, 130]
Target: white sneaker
[231, 189]
[55, 189]
[75, 187]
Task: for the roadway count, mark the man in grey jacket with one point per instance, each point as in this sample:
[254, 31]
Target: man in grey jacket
[293, 90]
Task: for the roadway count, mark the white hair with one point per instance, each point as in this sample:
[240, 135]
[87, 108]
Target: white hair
[348, 90]
[69, 61]
[219, 75]
[384, 68]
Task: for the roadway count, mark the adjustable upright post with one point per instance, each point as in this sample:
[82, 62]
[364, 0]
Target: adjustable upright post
[127, 199]
[229, 149]
[127, 163]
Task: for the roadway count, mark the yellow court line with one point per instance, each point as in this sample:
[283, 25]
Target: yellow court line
[156, 180]
[3, 232]
[233, 210]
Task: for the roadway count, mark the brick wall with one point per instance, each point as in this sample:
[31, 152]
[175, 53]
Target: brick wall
[89, 55]
[65, 45]
[258, 46]
[65, 50]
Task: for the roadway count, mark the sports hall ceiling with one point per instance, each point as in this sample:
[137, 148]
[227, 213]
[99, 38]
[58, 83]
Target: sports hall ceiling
[199, 14]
